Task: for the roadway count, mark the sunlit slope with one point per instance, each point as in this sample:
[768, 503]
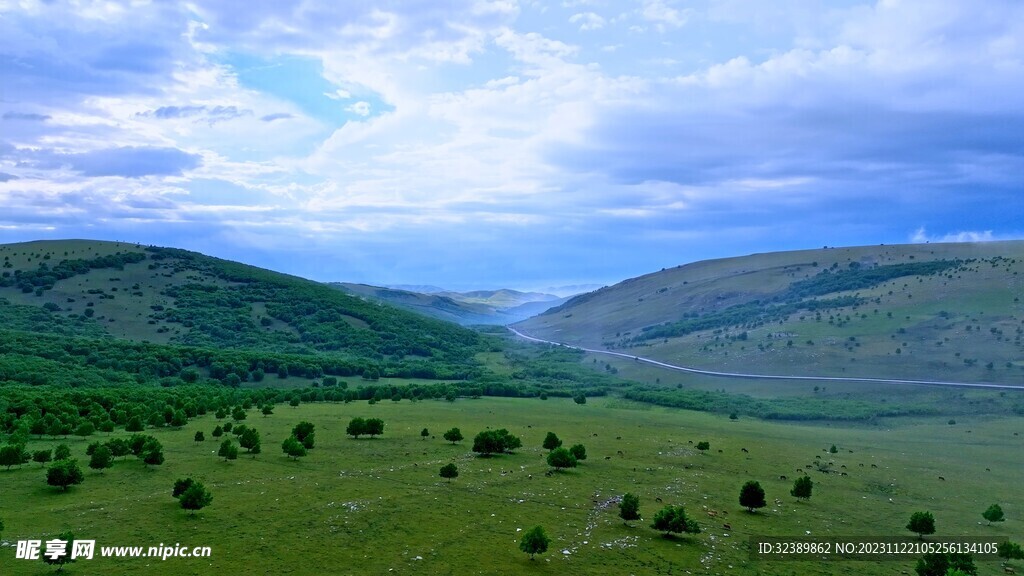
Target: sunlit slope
[943, 311]
[166, 295]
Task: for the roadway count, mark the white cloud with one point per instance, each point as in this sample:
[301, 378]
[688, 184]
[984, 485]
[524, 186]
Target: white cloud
[920, 236]
[361, 108]
[587, 21]
[663, 15]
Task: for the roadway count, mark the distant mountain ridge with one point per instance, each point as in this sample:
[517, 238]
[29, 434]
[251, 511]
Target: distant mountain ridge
[491, 307]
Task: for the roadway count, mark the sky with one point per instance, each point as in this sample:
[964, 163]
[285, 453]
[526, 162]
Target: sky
[477, 144]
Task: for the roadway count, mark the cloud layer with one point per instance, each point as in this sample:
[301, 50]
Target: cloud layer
[487, 143]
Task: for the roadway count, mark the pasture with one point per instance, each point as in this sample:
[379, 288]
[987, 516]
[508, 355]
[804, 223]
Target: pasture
[378, 506]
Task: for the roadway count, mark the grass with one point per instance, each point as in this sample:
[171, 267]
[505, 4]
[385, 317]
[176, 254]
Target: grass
[946, 326]
[375, 506]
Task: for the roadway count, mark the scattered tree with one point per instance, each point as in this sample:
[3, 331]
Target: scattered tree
[580, 398]
[672, 519]
[195, 497]
[60, 560]
[802, 488]
[922, 523]
[61, 452]
[424, 433]
[64, 473]
[560, 458]
[218, 432]
[449, 471]
[356, 427]
[1010, 550]
[180, 485]
[12, 455]
[267, 410]
[551, 441]
[703, 445]
[534, 541]
[250, 440]
[994, 513]
[629, 508]
[228, 451]
[495, 442]
[374, 427]
[454, 435]
[101, 459]
[833, 449]
[752, 496]
[42, 456]
[578, 451]
[292, 447]
[152, 452]
[938, 564]
[199, 437]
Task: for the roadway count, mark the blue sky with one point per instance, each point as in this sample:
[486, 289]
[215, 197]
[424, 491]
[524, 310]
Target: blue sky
[503, 143]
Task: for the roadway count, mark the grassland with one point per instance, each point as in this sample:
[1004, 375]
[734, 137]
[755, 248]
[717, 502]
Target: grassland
[378, 506]
[963, 323]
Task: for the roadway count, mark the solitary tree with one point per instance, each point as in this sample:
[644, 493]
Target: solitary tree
[304, 433]
[703, 445]
[250, 440]
[292, 447]
[61, 452]
[560, 458]
[629, 508]
[551, 441]
[802, 488]
[60, 560]
[994, 513]
[1010, 550]
[454, 435]
[101, 459]
[424, 433]
[672, 519]
[180, 485]
[580, 398]
[578, 451]
[64, 473]
[12, 455]
[939, 564]
[752, 496]
[922, 523]
[227, 450]
[449, 471]
[199, 437]
[195, 497]
[42, 456]
[534, 541]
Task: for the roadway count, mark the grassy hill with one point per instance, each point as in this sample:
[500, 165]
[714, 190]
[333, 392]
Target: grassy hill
[167, 296]
[938, 311]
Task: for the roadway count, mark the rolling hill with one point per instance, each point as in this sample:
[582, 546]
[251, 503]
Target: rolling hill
[489, 307]
[167, 296]
[939, 311]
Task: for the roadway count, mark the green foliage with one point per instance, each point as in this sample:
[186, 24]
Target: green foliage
[922, 523]
[561, 458]
[61, 452]
[228, 450]
[304, 433]
[180, 485]
[453, 435]
[250, 440]
[578, 451]
[629, 507]
[551, 441]
[64, 473]
[1010, 550]
[752, 496]
[580, 398]
[703, 446]
[199, 436]
[41, 456]
[802, 487]
[61, 560]
[292, 447]
[449, 471]
[12, 455]
[993, 513]
[534, 541]
[195, 497]
[424, 433]
[673, 520]
[938, 564]
[356, 427]
[101, 459]
[491, 442]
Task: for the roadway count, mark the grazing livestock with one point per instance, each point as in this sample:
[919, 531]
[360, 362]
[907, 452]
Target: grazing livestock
[1008, 570]
[712, 514]
[657, 499]
[874, 466]
[726, 526]
[607, 457]
[941, 478]
[783, 478]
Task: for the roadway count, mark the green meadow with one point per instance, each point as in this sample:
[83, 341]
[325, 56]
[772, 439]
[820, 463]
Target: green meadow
[378, 506]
